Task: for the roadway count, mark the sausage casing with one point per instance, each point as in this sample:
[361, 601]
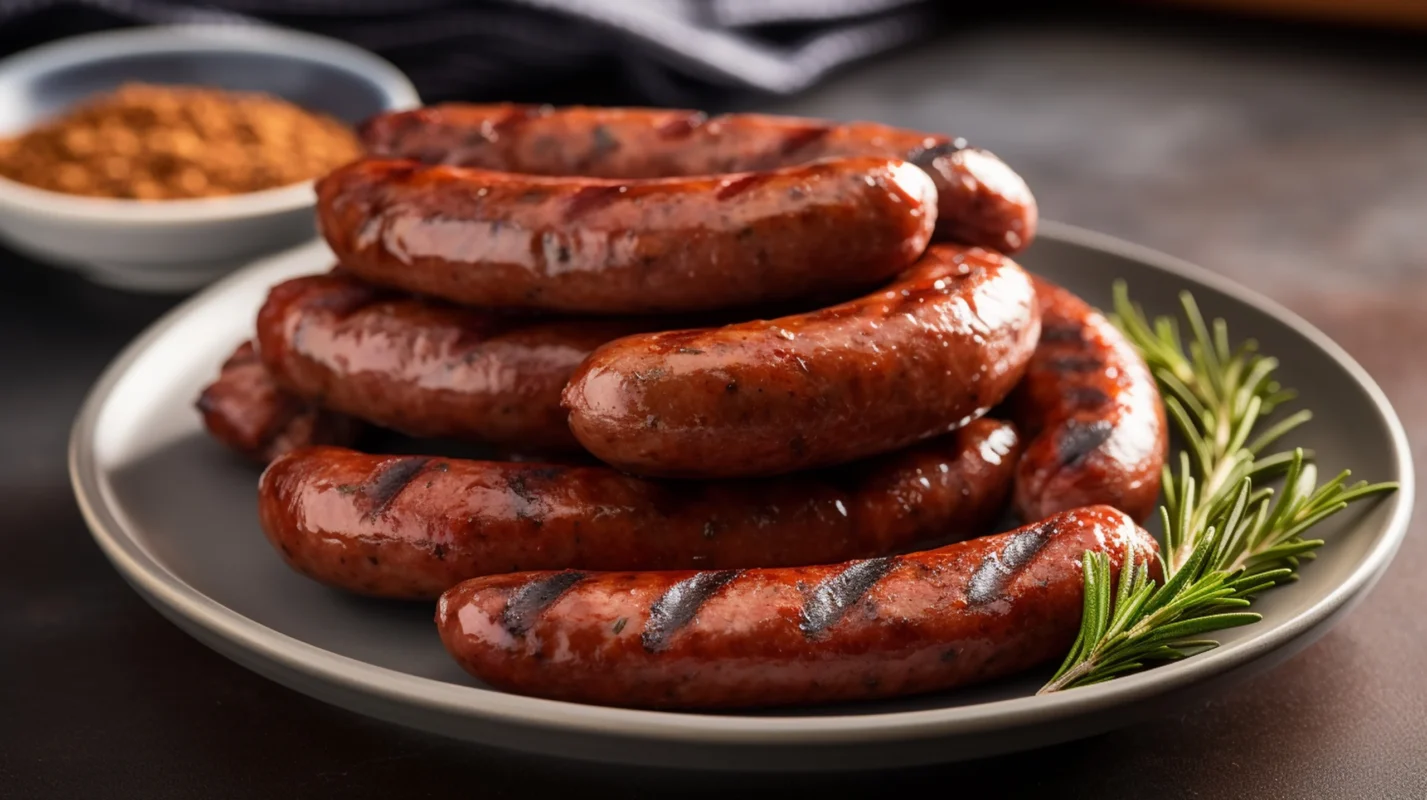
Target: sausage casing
[423, 367]
[248, 412]
[981, 201]
[579, 244]
[413, 527]
[866, 629]
[934, 349]
[1093, 414]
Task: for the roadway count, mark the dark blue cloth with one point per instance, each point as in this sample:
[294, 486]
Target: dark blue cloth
[655, 51]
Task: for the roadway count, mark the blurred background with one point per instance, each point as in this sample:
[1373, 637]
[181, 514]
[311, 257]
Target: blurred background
[1280, 142]
[660, 52]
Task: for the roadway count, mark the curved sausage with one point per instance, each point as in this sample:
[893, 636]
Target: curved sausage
[882, 627]
[246, 411]
[980, 200]
[577, 244]
[412, 527]
[936, 348]
[423, 367]
[1093, 413]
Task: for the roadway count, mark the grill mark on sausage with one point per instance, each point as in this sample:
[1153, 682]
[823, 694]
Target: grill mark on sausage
[381, 489]
[516, 116]
[530, 600]
[1076, 363]
[988, 582]
[742, 184]
[526, 502]
[602, 142]
[354, 298]
[677, 607]
[1063, 331]
[553, 249]
[1087, 398]
[832, 597]
[800, 138]
[589, 198]
[924, 157]
[1077, 439]
[683, 126]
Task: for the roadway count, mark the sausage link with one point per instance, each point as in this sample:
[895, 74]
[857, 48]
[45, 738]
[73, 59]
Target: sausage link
[1094, 414]
[936, 348]
[874, 628]
[423, 367]
[645, 246]
[246, 411]
[981, 200]
[412, 527]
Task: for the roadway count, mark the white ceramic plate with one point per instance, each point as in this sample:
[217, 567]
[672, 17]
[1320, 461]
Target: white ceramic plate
[177, 516]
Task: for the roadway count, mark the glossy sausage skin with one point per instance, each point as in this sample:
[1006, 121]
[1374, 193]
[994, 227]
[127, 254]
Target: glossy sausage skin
[250, 414]
[980, 200]
[423, 367]
[883, 627]
[934, 349]
[411, 527]
[1094, 414]
[576, 244]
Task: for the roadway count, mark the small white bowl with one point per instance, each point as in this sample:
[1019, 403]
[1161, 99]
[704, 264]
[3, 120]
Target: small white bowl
[178, 245]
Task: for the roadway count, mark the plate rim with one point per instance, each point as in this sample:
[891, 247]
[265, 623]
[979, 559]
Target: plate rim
[478, 705]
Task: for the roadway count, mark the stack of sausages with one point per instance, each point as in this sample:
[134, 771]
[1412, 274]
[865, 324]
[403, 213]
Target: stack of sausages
[798, 351]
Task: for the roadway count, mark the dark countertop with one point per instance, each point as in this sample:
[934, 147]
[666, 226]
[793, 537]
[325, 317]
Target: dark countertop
[1294, 162]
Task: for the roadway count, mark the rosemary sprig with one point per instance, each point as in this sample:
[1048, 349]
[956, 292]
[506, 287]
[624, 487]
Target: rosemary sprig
[1225, 541]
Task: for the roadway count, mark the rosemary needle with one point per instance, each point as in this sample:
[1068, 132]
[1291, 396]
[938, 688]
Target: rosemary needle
[1227, 536]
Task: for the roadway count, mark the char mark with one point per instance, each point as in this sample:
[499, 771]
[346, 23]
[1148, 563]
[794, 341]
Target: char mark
[602, 142]
[590, 198]
[530, 601]
[544, 473]
[741, 184]
[1063, 331]
[525, 499]
[832, 597]
[1077, 364]
[802, 138]
[924, 157]
[1087, 398]
[513, 118]
[382, 488]
[341, 297]
[1078, 439]
[677, 607]
[988, 582]
[682, 127]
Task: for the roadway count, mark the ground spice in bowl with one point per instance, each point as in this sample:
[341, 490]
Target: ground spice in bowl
[149, 142]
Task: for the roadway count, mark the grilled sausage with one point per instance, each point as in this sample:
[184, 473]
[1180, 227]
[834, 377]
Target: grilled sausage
[732, 638]
[246, 411]
[578, 244]
[1093, 413]
[423, 367]
[936, 348]
[980, 200]
[411, 527]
